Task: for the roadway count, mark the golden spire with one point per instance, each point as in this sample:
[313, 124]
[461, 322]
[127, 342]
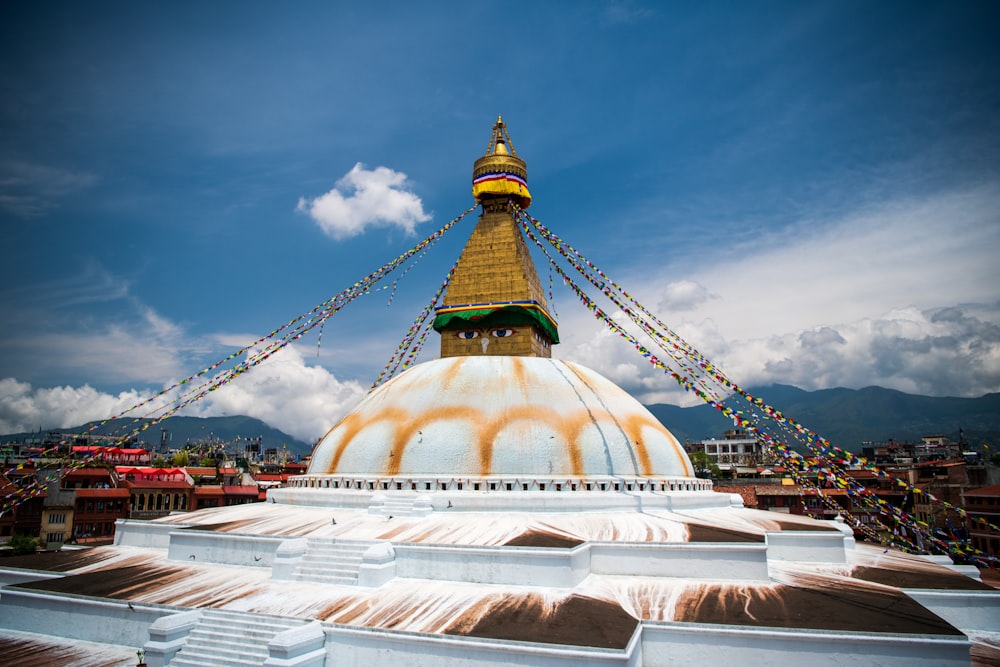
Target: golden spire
[495, 304]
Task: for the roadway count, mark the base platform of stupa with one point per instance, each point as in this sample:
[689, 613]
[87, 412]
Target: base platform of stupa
[323, 575]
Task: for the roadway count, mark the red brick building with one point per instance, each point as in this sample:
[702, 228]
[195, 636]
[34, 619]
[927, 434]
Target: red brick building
[983, 507]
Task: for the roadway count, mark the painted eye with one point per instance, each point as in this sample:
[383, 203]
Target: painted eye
[502, 333]
[467, 335]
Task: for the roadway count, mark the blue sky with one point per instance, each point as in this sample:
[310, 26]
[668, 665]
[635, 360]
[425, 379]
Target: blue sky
[807, 191]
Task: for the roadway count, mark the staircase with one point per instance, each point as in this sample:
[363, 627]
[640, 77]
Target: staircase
[392, 505]
[231, 639]
[330, 562]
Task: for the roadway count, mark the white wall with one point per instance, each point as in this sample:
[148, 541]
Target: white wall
[381, 648]
[690, 559]
[695, 644]
[521, 566]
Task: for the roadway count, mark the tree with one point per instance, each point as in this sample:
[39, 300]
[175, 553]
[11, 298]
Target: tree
[703, 464]
[181, 459]
[23, 544]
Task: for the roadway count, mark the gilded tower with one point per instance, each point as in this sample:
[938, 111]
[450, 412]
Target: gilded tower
[495, 304]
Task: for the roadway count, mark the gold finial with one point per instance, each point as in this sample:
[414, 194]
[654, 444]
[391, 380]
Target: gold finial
[500, 175]
[500, 143]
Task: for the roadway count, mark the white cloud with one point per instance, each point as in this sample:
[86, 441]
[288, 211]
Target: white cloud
[903, 296]
[923, 252]
[683, 295]
[25, 408]
[284, 392]
[951, 351]
[31, 190]
[366, 198]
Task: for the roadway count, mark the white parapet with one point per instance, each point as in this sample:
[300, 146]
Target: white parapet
[206, 546]
[116, 622]
[298, 647]
[969, 611]
[287, 557]
[167, 635]
[378, 565]
[523, 566]
[12, 576]
[147, 534]
[700, 644]
[811, 546]
[348, 645]
[740, 562]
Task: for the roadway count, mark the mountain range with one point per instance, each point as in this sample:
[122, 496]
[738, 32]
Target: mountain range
[846, 417]
[850, 417]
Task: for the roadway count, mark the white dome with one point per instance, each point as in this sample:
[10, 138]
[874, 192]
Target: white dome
[500, 416]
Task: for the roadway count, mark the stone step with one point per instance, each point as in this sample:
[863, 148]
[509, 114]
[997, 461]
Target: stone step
[195, 657]
[239, 629]
[231, 639]
[354, 554]
[332, 580]
[250, 619]
[246, 651]
[310, 570]
[330, 562]
[234, 637]
[319, 562]
[323, 574]
[196, 660]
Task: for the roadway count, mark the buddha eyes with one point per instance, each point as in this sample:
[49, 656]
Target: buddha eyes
[496, 333]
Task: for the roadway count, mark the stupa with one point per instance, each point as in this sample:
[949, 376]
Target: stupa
[497, 506]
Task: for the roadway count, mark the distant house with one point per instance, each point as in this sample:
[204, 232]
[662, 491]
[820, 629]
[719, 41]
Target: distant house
[133, 456]
[156, 492]
[983, 507]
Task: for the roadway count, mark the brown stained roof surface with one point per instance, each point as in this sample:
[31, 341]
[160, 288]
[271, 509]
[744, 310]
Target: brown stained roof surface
[602, 611]
[798, 525]
[708, 533]
[576, 620]
[848, 607]
[936, 579]
[538, 538]
[66, 560]
[25, 649]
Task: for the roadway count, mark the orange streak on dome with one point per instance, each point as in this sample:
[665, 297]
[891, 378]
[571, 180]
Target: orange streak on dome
[454, 370]
[405, 431]
[520, 373]
[568, 428]
[633, 427]
[352, 425]
[573, 428]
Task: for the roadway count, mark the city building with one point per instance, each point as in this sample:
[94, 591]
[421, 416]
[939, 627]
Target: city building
[983, 507]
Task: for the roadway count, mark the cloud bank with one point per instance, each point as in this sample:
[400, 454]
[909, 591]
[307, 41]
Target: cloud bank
[366, 198]
[284, 392]
[901, 295]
